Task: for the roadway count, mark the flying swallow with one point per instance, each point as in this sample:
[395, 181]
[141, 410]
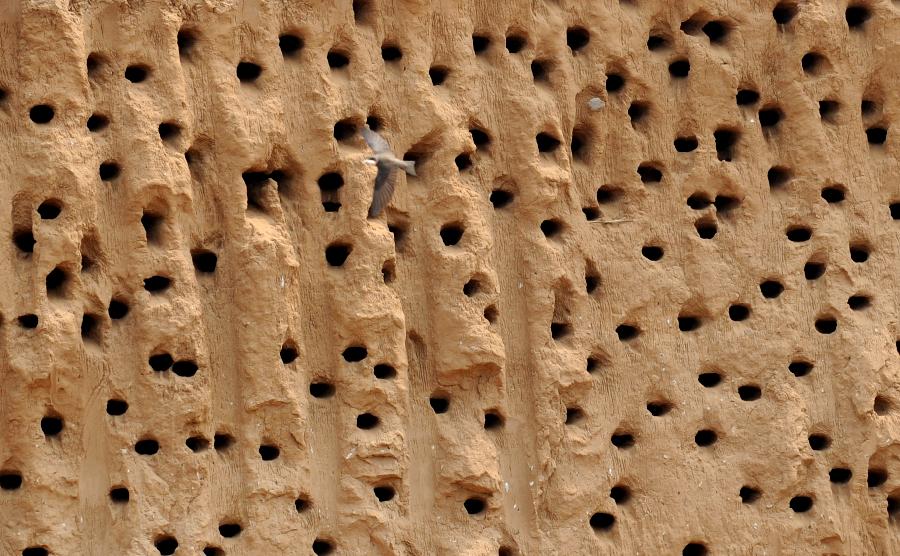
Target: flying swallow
[386, 162]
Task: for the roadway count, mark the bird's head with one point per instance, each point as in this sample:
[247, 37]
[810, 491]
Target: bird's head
[370, 160]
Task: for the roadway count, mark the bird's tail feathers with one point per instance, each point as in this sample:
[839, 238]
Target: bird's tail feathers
[410, 167]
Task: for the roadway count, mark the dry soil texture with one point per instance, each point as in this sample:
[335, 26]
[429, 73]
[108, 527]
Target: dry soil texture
[642, 297]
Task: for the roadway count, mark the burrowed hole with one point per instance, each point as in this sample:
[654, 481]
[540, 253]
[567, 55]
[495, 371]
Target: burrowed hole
[290, 45]
[451, 234]
[41, 113]
[771, 289]
[336, 254]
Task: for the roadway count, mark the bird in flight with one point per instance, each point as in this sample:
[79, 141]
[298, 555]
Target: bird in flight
[386, 162]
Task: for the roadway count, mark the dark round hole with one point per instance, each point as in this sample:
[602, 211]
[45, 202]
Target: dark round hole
[390, 53]
[515, 43]
[222, 441]
[725, 140]
[336, 254]
[169, 130]
[859, 253]
[51, 425]
[41, 113]
[652, 252]
[185, 368]
[480, 43]
[354, 354]
[577, 38]
[882, 405]
[574, 415]
[197, 444]
[627, 332]
[749, 392]
[119, 495]
[290, 45]
[614, 82]
[828, 110]
[248, 72]
[738, 312]
[384, 371]
[136, 74]
[769, 117]
[746, 97]
[622, 440]
[229, 530]
[155, 284]
[688, 323]
[659, 408]
[331, 181]
[10, 480]
[451, 234]
[166, 545]
[24, 241]
[321, 547]
[800, 368]
[463, 162]
[186, 40]
[826, 325]
[384, 493]
[706, 229]
[876, 478]
[321, 390]
[685, 144]
[161, 362]
[620, 493]
[109, 171]
[716, 31]
[29, 321]
[366, 421]
[35, 551]
[213, 551]
[204, 261]
[778, 176]
[146, 447]
[337, 60]
[840, 475]
[474, 505]
[602, 521]
[546, 143]
[876, 135]
[117, 309]
[705, 437]
[288, 354]
[49, 209]
[801, 504]
[56, 281]
[798, 234]
[784, 12]
[694, 549]
[812, 62]
[439, 404]
[649, 173]
[637, 111]
[97, 122]
[302, 503]
[819, 442]
[345, 129]
[116, 407]
[493, 420]
[269, 452]
[657, 42]
[438, 75]
[858, 302]
[551, 227]
[894, 209]
[501, 198]
[680, 69]
[813, 270]
[607, 194]
[856, 15]
[771, 289]
[749, 495]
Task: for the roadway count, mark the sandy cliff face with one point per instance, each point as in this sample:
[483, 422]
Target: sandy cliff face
[661, 322]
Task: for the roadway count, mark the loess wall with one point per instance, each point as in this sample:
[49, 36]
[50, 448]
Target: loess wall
[642, 297]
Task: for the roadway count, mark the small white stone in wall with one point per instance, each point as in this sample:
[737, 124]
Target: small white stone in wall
[506, 486]
[596, 103]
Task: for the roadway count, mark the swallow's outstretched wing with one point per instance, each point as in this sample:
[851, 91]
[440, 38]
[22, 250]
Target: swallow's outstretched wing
[376, 142]
[384, 189]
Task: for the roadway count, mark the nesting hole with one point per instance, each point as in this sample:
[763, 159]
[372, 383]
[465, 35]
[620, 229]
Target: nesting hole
[546, 143]
[51, 425]
[269, 452]
[859, 302]
[290, 45]
[627, 332]
[41, 113]
[859, 252]
[857, 15]
[778, 176]
[391, 53]
[801, 504]
[746, 97]
[109, 171]
[166, 545]
[679, 69]
[157, 284]
[833, 194]
[622, 440]
[705, 437]
[10, 480]
[739, 312]
[769, 117]
[638, 111]
[438, 75]
[659, 408]
[749, 494]
[366, 421]
[614, 82]
[798, 234]
[726, 141]
[480, 43]
[119, 495]
[652, 252]
[97, 122]
[222, 441]
[819, 442]
[828, 110]
[384, 493]
[57, 281]
[321, 547]
[204, 261]
[552, 228]
[602, 521]
[288, 353]
[771, 289]
[577, 38]
[186, 41]
[336, 253]
[784, 12]
[137, 73]
[337, 59]
[354, 354]
[840, 475]
[685, 144]
[451, 234]
[146, 447]
[515, 43]
[475, 505]
[493, 420]
[116, 407]
[649, 173]
[29, 321]
[439, 404]
[749, 392]
[706, 228]
[800, 368]
[826, 325]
